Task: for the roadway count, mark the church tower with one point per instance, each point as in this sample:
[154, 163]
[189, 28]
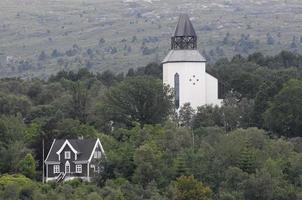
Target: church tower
[184, 69]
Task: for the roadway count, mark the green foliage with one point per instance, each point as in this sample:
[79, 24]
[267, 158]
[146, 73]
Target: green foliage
[70, 128]
[12, 104]
[186, 114]
[181, 167]
[27, 166]
[11, 155]
[247, 161]
[16, 179]
[284, 113]
[207, 116]
[11, 129]
[11, 192]
[188, 188]
[139, 99]
[148, 161]
[146, 148]
[79, 101]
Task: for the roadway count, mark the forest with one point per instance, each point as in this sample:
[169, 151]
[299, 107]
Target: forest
[250, 148]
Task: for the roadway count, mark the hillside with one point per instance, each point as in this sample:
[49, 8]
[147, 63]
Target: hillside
[250, 148]
[39, 38]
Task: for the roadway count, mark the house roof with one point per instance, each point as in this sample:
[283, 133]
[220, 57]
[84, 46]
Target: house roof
[84, 147]
[184, 27]
[184, 56]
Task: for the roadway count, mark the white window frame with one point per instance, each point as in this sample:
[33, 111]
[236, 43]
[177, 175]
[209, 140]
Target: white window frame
[67, 167]
[56, 169]
[93, 167]
[97, 154]
[67, 155]
[78, 168]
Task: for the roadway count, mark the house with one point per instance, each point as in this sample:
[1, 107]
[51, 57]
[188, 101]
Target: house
[73, 158]
[184, 69]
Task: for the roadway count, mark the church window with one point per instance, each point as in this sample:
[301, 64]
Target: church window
[176, 89]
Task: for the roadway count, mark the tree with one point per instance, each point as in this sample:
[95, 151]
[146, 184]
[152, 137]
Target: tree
[55, 53]
[188, 188]
[70, 128]
[148, 159]
[259, 186]
[141, 99]
[240, 76]
[186, 115]
[11, 130]
[207, 116]
[247, 161]
[27, 166]
[269, 89]
[12, 104]
[270, 39]
[107, 78]
[284, 113]
[153, 69]
[42, 56]
[181, 167]
[79, 102]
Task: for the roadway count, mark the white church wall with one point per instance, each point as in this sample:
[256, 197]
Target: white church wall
[212, 90]
[192, 81]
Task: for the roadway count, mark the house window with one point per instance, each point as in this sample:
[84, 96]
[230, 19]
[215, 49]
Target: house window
[56, 169]
[78, 168]
[97, 154]
[93, 167]
[67, 154]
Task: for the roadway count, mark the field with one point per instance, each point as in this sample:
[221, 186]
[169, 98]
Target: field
[117, 35]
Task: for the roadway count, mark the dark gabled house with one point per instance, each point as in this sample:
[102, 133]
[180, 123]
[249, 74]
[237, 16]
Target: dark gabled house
[74, 158]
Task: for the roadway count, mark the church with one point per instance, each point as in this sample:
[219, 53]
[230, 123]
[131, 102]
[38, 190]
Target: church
[184, 69]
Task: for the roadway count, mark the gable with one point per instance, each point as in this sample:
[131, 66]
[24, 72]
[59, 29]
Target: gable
[97, 147]
[83, 147]
[64, 145]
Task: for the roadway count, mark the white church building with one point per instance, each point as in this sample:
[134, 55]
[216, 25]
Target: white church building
[184, 69]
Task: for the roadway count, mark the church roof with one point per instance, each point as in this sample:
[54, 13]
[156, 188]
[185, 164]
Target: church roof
[184, 56]
[184, 27]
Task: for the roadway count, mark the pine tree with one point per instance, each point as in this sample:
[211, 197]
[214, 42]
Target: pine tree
[247, 160]
[181, 167]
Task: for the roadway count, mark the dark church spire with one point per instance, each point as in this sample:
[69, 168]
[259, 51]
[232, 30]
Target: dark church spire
[184, 36]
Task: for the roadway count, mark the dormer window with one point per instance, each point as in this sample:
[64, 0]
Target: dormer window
[67, 154]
